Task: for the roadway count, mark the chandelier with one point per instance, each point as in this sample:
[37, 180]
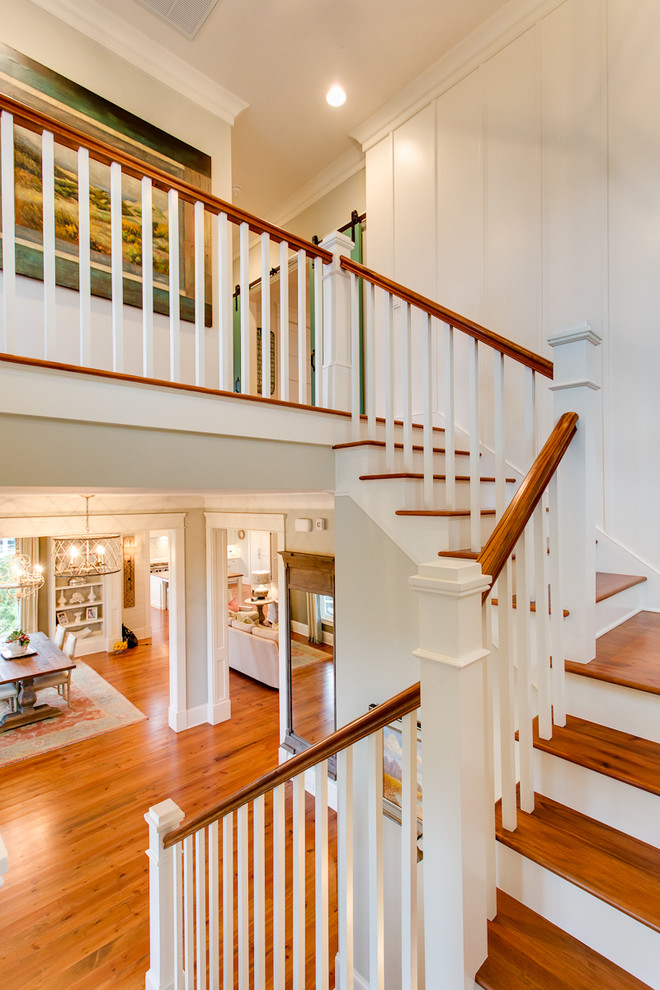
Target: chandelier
[19, 578]
[86, 556]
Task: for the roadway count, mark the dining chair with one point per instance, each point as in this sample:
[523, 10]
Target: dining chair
[60, 633]
[9, 693]
[62, 679]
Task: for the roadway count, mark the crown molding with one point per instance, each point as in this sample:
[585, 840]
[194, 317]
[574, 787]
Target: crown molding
[499, 30]
[320, 185]
[97, 22]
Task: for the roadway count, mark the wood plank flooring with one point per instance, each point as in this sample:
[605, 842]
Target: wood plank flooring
[524, 951]
[74, 907]
[628, 655]
[607, 863]
[619, 755]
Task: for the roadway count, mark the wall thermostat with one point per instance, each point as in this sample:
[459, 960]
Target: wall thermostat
[320, 523]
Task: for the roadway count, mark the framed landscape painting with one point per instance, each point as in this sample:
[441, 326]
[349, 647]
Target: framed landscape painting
[392, 771]
[33, 84]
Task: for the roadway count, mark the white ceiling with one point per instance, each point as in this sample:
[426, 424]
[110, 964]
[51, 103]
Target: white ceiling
[281, 56]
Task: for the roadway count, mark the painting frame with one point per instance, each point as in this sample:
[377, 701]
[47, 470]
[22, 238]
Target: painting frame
[393, 735]
[62, 618]
[92, 613]
[33, 84]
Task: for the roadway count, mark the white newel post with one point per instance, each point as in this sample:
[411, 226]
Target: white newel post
[161, 819]
[458, 821]
[576, 388]
[336, 363]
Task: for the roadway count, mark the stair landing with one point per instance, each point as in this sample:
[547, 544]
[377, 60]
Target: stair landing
[526, 952]
[627, 655]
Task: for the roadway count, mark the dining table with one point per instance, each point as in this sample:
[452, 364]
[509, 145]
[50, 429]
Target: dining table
[42, 657]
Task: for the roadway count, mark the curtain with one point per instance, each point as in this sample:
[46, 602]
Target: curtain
[314, 629]
[28, 608]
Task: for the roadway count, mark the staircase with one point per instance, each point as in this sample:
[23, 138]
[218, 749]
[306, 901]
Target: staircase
[578, 901]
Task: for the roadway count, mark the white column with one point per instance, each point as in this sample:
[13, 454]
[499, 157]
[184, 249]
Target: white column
[336, 324]
[458, 821]
[576, 387]
[161, 819]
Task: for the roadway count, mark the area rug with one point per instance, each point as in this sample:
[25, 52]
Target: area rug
[96, 708]
[302, 654]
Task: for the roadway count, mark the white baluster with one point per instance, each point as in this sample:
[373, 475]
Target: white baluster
[492, 700]
[246, 384]
[531, 440]
[177, 864]
[259, 881]
[524, 569]
[345, 857]
[319, 391]
[228, 902]
[175, 303]
[475, 485]
[542, 623]
[200, 296]
[302, 329]
[321, 863]
[48, 185]
[8, 340]
[370, 361]
[389, 382]
[243, 902]
[450, 443]
[214, 908]
[409, 852]
[355, 356]
[226, 321]
[507, 698]
[265, 315]
[428, 412]
[188, 913]
[406, 366]
[147, 279]
[375, 854]
[200, 899]
[117, 263]
[284, 321]
[84, 266]
[557, 613]
[279, 888]
[299, 883]
[498, 409]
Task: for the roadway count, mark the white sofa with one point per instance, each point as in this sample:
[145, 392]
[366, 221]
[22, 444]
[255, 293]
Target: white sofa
[254, 655]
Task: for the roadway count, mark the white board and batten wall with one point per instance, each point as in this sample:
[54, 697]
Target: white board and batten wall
[520, 189]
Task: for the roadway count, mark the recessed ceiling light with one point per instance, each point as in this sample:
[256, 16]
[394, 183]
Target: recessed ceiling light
[335, 96]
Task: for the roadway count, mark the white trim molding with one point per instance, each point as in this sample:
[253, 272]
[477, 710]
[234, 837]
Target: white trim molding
[99, 23]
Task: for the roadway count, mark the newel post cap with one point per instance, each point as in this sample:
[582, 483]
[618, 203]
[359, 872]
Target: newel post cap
[339, 244]
[450, 576]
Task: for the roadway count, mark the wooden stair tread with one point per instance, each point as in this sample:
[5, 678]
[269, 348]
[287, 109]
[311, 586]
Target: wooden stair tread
[613, 866]
[627, 655]
[526, 952]
[611, 584]
[397, 446]
[615, 754]
[441, 512]
[419, 476]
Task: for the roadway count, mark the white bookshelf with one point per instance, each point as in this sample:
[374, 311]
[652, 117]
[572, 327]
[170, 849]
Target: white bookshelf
[77, 614]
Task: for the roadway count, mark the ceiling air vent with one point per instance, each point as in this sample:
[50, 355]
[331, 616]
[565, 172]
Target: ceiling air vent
[186, 16]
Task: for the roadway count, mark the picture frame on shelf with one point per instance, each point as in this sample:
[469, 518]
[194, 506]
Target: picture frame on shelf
[92, 613]
[62, 618]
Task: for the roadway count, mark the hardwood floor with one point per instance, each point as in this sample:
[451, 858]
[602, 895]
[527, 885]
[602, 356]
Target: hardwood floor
[74, 906]
[313, 695]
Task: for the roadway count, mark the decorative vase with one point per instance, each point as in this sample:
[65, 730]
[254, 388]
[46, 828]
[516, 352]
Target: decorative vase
[61, 601]
[77, 616]
[16, 649]
[91, 597]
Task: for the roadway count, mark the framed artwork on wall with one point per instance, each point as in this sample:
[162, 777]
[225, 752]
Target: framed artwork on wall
[38, 87]
[392, 771]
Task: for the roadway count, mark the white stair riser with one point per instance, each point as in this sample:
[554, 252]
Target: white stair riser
[613, 802]
[616, 609]
[622, 708]
[628, 943]
[408, 493]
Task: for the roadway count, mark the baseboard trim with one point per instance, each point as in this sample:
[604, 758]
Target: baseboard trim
[359, 982]
[220, 712]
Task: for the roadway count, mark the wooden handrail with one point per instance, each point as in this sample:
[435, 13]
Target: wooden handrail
[520, 354]
[401, 704]
[509, 529]
[72, 138]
